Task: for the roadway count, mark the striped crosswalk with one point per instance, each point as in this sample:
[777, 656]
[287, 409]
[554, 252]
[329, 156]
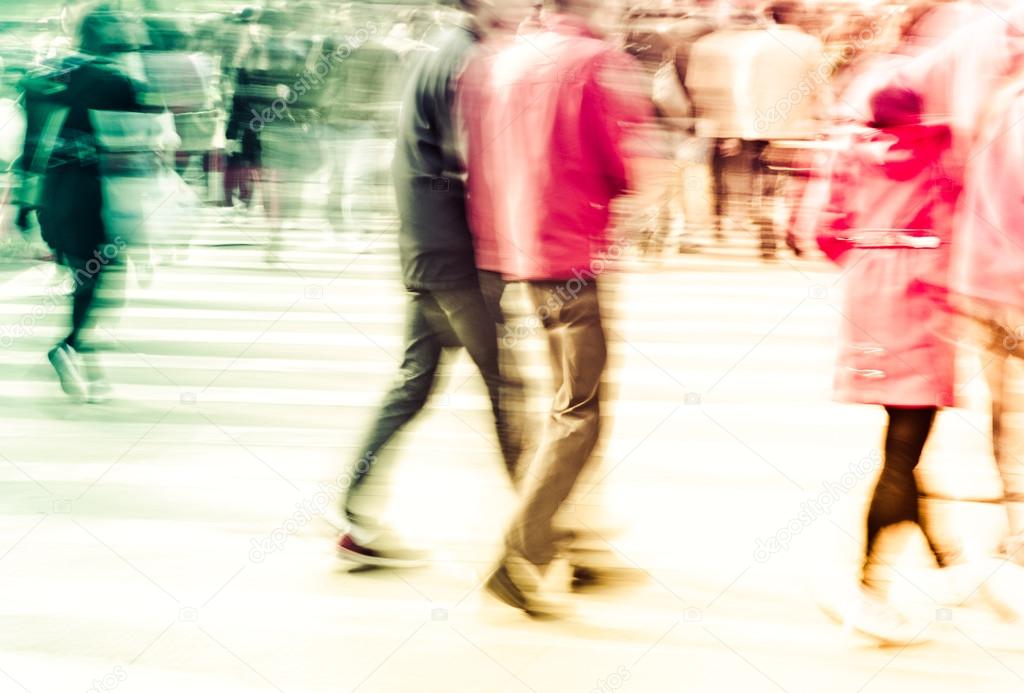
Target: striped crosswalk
[176, 531]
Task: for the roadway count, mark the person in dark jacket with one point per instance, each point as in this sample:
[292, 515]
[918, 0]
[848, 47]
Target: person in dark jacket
[450, 304]
[71, 208]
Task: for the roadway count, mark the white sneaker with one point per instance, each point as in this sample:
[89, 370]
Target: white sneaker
[99, 387]
[66, 362]
[1003, 588]
[873, 617]
[867, 614]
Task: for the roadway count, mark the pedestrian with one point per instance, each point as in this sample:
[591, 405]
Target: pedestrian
[546, 122]
[71, 214]
[450, 304]
[889, 224]
[973, 81]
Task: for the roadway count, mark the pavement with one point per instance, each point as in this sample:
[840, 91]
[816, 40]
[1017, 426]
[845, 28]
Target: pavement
[179, 537]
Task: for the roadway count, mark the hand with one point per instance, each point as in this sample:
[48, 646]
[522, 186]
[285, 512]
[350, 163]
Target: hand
[730, 147]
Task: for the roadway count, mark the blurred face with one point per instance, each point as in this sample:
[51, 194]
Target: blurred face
[503, 15]
[606, 17]
[603, 17]
[258, 32]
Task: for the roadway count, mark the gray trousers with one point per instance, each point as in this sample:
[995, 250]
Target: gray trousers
[467, 317]
[578, 352]
[1003, 360]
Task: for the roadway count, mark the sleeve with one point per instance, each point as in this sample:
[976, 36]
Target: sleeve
[616, 104]
[958, 77]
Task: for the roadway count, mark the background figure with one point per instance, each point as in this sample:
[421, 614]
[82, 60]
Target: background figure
[184, 80]
[755, 82]
[249, 96]
[289, 146]
[360, 107]
[656, 200]
[71, 215]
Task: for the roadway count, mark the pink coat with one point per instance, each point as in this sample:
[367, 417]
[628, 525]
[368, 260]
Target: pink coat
[888, 225]
[545, 121]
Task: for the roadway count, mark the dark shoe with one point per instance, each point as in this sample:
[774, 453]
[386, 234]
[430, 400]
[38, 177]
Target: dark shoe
[518, 584]
[594, 577]
[23, 221]
[501, 586]
[65, 361]
[687, 246]
[350, 550]
[792, 244]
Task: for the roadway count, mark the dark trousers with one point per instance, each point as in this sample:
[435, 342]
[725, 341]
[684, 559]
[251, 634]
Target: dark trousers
[758, 184]
[578, 352]
[896, 498]
[436, 319]
[86, 277]
[240, 173]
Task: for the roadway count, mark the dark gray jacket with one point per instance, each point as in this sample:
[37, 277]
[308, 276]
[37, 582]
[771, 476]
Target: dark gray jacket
[434, 242]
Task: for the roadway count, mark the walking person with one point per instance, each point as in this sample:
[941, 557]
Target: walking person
[71, 214]
[546, 123]
[973, 80]
[889, 226]
[450, 304]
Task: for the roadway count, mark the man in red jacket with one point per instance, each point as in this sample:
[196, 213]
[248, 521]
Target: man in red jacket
[545, 120]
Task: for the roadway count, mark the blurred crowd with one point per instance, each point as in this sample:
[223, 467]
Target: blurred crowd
[534, 144]
[268, 100]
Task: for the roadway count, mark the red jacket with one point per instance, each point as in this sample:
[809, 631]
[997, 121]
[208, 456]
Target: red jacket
[545, 118]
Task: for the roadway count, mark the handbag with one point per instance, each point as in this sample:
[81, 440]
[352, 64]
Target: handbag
[668, 94]
[130, 131]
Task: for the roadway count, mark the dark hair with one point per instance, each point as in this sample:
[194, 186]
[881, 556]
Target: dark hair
[784, 11]
[104, 31]
[895, 106]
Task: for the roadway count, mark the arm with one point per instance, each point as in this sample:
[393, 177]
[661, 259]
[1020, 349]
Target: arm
[615, 105]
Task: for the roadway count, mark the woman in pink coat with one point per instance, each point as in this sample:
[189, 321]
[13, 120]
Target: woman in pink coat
[888, 225]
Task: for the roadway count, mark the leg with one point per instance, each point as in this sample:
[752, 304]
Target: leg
[1003, 368]
[64, 357]
[232, 174]
[762, 197]
[473, 322]
[406, 398]
[696, 189]
[718, 183]
[85, 277]
[336, 143]
[577, 342]
[895, 498]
